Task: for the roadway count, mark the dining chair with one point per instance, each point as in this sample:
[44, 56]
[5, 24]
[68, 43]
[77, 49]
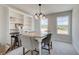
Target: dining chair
[26, 43]
[30, 45]
[35, 49]
[47, 43]
[15, 42]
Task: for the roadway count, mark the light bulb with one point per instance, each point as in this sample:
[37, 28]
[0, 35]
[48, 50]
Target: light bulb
[36, 16]
[41, 16]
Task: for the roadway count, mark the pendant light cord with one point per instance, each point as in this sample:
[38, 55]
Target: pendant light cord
[39, 8]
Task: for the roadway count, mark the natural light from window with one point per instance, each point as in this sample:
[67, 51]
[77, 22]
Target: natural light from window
[63, 25]
[44, 26]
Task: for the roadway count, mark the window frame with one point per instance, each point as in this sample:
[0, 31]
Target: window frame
[69, 25]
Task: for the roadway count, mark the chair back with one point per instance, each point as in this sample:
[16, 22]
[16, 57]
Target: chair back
[26, 42]
[47, 39]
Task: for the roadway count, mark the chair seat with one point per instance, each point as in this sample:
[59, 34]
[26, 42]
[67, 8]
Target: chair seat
[45, 47]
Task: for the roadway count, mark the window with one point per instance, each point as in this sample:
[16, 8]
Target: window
[44, 26]
[63, 25]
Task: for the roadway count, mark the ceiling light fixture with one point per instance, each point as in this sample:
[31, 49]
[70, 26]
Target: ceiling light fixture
[39, 15]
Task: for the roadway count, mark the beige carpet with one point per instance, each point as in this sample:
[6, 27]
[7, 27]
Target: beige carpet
[60, 48]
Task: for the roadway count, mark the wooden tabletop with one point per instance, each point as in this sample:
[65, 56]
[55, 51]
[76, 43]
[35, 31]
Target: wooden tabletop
[34, 34]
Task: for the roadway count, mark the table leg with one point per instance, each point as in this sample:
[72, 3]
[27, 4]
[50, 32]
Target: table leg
[39, 41]
[39, 48]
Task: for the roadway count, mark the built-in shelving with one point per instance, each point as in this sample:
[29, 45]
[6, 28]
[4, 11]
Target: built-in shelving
[16, 17]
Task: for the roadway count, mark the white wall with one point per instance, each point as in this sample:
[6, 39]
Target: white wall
[3, 24]
[52, 27]
[75, 28]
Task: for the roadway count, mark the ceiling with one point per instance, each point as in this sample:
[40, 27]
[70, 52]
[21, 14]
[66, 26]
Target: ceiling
[46, 8]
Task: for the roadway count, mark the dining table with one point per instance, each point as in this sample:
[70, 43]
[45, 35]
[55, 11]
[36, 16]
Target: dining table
[36, 36]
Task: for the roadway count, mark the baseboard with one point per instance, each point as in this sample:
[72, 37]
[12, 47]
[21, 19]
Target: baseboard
[63, 41]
